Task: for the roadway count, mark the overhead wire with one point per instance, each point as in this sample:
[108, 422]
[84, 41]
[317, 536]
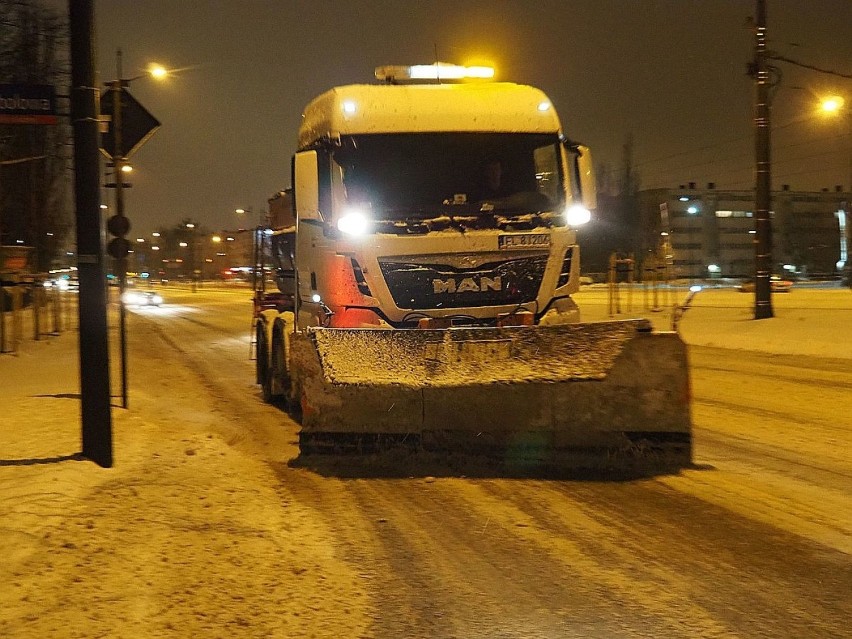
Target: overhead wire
[725, 161]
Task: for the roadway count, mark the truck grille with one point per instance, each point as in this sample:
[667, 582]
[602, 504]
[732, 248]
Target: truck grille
[424, 286]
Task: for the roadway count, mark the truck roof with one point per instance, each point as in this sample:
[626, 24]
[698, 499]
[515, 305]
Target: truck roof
[422, 108]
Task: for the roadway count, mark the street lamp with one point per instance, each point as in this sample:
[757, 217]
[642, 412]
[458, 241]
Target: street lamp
[118, 225]
[192, 227]
[691, 212]
[836, 106]
[248, 211]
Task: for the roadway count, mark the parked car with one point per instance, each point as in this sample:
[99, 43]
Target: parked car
[777, 284]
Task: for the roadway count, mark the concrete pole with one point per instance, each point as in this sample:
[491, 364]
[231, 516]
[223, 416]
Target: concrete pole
[763, 184]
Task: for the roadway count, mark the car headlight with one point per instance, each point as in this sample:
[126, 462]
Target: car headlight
[354, 222]
[156, 299]
[577, 215]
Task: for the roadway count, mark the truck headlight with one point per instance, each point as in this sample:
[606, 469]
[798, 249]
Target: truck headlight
[577, 215]
[354, 222]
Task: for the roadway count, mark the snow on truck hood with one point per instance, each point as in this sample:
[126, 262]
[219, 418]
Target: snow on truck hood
[499, 107]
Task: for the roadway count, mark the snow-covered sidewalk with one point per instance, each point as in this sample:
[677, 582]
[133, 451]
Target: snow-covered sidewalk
[189, 535]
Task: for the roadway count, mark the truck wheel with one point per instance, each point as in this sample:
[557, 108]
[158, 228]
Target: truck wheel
[279, 377]
[260, 356]
[264, 374]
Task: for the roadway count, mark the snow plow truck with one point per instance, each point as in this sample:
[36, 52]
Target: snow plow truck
[425, 258]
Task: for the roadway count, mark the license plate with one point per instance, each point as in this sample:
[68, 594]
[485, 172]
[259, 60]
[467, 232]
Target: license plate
[523, 241]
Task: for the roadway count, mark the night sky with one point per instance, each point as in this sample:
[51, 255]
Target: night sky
[671, 73]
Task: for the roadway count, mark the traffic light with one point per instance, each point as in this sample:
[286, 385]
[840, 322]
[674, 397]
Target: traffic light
[119, 246]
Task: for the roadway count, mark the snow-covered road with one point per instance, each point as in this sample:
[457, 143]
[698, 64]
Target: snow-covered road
[208, 527]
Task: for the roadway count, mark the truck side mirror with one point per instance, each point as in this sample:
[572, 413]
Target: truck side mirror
[583, 174]
[307, 186]
[585, 171]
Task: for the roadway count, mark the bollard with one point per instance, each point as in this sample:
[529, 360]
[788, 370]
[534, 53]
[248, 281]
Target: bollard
[3, 297]
[17, 319]
[36, 299]
[56, 307]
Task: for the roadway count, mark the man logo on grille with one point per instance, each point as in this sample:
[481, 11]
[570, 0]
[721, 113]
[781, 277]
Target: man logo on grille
[467, 284]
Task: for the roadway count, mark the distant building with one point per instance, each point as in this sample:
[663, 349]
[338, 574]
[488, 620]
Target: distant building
[711, 232]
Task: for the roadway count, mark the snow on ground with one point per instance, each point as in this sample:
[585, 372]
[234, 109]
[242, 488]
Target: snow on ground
[265, 561]
[225, 552]
[806, 321]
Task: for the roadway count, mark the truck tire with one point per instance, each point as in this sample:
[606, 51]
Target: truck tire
[264, 374]
[260, 355]
[278, 376]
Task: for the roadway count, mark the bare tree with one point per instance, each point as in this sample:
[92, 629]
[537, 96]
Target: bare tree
[35, 179]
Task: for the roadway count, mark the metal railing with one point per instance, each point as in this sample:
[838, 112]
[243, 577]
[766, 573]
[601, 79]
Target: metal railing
[29, 309]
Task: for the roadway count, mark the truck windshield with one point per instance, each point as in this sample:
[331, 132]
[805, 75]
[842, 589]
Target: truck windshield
[426, 175]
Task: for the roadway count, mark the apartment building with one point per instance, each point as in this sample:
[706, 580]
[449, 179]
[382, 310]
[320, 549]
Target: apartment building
[710, 232]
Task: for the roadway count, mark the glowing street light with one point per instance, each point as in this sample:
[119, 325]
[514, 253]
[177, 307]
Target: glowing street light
[158, 71]
[835, 106]
[128, 131]
[832, 104]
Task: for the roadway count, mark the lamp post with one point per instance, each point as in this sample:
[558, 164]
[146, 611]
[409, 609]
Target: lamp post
[691, 213]
[837, 106]
[216, 239]
[193, 261]
[118, 224]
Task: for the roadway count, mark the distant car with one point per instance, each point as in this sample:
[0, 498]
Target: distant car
[142, 298]
[776, 284]
[779, 284]
[63, 284]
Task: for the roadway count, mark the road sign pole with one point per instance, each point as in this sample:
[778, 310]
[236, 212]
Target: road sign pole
[120, 261]
[130, 126]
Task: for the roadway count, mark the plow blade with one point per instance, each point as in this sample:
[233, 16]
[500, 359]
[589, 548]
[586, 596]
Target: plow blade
[578, 395]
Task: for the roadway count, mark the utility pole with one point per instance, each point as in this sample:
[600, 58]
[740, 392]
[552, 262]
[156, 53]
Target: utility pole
[94, 345]
[763, 183]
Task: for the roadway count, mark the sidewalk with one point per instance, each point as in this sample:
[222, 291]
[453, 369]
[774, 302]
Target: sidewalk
[190, 534]
[807, 322]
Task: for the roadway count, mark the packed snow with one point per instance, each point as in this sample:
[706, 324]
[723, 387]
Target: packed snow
[191, 533]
